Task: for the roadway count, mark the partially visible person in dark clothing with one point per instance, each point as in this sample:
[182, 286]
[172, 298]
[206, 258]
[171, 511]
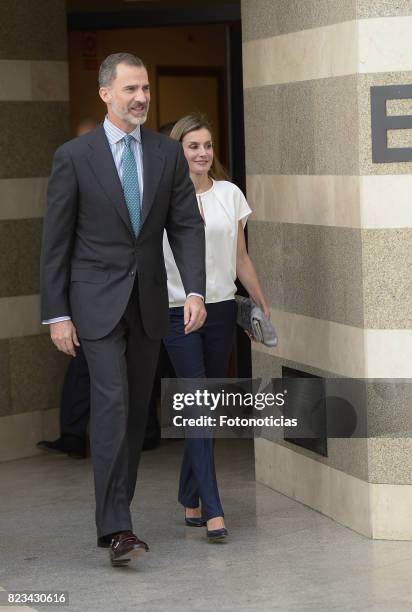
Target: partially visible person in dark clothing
[74, 411]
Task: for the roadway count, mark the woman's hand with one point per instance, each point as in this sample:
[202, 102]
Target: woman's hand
[249, 335]
[263, 307]
[266, 311]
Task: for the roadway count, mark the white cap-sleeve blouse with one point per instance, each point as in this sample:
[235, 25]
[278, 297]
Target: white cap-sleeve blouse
[222, 207]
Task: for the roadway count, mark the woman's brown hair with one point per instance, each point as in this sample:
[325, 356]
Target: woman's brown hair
[192, 123]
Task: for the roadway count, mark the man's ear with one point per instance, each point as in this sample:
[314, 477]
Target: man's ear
[105, 95]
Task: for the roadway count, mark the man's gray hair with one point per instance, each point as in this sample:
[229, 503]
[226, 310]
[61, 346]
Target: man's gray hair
[107, 70]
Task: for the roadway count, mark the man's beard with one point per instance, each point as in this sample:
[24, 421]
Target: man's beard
[128, 117]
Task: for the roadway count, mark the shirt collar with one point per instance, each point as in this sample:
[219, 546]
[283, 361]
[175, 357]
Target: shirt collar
[115, 134]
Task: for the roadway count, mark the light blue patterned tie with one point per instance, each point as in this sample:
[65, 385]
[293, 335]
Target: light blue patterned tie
[131, 184]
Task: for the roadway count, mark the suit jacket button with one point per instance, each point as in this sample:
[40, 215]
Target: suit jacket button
[131, 273]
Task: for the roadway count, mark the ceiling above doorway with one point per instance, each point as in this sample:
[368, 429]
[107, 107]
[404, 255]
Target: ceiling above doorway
[103, 6]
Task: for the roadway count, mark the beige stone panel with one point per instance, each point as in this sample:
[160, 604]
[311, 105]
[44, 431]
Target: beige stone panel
[23, 80]
[388, 353]
[5, 391]
[385, 44]
[19, 433]
[318, 272]
[319, 53]
[386, 201]
[326, 345]
[343, 349]
[305, 199]
[332, 492]
[39, 387]
[380, 511]
[262, 18]
[15, 80]
[382, 8]
[303, 128]
[368, 202]
[391, 511]
[363, 46]
[387, 278]
[389, 414]
[23, 198]
[20, 316]
[50, 81]
[390, 460]
[31, 131]
[19, 265]
[35, 29]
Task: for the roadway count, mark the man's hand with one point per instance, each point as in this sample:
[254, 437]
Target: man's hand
[64, 336]
[194, 313]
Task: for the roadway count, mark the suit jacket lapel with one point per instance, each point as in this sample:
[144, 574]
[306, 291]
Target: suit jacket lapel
[103, 166]
[153, 163]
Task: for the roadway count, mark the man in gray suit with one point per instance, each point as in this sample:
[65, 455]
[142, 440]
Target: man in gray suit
[111, 194]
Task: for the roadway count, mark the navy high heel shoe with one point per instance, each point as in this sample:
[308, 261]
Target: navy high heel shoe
[217, 535]
[194, 521]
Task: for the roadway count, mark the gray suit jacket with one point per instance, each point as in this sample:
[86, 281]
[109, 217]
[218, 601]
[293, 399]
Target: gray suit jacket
[90, 256]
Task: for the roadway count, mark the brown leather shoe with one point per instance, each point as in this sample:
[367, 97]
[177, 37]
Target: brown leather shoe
[124, 547]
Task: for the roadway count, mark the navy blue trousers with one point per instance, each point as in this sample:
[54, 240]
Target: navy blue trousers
[204, 353]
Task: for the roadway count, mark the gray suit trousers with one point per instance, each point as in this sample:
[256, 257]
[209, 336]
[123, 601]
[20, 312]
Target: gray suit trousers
[122, 367]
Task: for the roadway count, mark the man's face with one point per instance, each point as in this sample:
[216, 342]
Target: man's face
[127, 97]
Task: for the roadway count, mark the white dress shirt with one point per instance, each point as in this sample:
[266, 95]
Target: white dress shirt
[115, 137]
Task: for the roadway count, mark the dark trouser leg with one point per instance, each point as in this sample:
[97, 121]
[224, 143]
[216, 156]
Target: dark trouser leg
[164, 370]
[142, 357]
[152, 428]
[106, 358]
[186, 355]
[217, 346]
[219, 337]
[122, 366]
[75, 398]
[199, 458]
[188, 493]
[190, 355]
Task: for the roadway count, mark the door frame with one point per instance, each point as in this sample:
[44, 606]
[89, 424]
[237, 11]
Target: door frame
[195, 71]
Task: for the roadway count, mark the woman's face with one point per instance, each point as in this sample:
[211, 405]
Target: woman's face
[198, 150]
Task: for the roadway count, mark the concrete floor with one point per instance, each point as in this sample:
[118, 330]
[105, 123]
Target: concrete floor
[281, 555]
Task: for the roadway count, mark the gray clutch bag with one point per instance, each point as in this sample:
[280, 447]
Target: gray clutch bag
[251, 318]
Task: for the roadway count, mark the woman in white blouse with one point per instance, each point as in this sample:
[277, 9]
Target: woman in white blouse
[205, 353]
